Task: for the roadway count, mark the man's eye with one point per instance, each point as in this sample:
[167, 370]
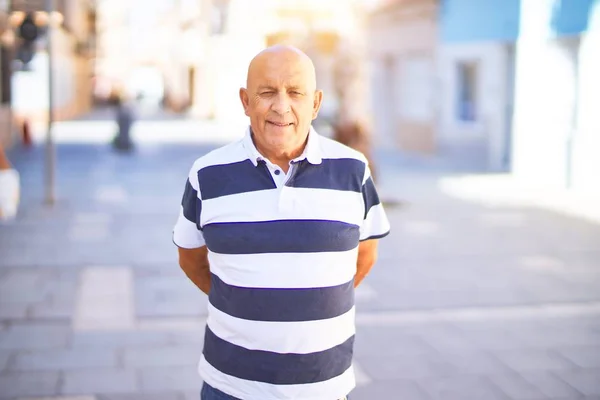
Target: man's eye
[266, 93]
[297, 93]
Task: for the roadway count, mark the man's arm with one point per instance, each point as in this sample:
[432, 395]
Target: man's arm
[4, 163]
[367, 255]
[194, 262]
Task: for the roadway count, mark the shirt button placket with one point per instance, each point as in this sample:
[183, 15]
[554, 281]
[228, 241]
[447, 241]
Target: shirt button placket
[286, 200]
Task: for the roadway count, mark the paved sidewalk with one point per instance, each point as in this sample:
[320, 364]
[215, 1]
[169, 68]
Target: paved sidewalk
[469, 300]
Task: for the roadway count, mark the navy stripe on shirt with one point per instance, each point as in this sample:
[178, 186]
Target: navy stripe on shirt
[334, 174]
[239, 177]
[282, 236]
[370, 196]
[192, 205]
[281, 305]
[277, 368]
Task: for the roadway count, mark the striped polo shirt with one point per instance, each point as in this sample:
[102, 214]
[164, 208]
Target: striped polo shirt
[282, 250]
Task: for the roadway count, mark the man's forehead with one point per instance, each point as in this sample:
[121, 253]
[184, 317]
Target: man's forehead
[288, 80]
[283, 82]
[281, 67]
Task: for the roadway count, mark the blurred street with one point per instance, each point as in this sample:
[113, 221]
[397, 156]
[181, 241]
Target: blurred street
[470, 299]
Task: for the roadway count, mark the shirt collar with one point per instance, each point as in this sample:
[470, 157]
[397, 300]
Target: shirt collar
[311, 153]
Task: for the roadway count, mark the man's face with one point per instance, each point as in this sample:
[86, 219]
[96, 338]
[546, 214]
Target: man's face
[281, 101]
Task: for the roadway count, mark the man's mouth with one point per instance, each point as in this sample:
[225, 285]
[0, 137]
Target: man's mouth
[280, 124]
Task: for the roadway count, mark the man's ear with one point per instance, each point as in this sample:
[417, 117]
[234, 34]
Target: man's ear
[245, 100]
[317, 103]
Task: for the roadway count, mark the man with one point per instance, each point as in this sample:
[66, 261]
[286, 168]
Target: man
[278, 229]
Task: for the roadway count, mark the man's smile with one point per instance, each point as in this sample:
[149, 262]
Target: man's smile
[280, 124]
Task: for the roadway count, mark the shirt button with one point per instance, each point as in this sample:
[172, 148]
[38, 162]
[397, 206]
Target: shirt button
[277, 172]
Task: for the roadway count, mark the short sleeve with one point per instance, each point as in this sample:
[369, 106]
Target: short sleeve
[375, 224]
[187, 232]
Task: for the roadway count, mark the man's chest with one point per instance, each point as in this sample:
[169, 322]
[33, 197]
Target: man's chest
[286, 219]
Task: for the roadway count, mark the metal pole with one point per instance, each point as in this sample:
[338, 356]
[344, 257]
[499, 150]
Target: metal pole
[50, 149]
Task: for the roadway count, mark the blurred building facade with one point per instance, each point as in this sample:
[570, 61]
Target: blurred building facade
[72, 41]
[512, 84]
[151, 50]
[186, 55]
[441, 76]
[199, 50]
[476, 77]
[556, 135]
[402, 53]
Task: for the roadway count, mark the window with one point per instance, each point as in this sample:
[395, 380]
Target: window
[466, 104]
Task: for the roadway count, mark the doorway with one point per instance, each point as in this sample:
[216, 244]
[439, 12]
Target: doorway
[191, 85]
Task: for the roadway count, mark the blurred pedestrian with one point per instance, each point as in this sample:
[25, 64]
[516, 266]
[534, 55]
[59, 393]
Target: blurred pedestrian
[278, 229]
[354, 135]
[124, 119]
[9, 188]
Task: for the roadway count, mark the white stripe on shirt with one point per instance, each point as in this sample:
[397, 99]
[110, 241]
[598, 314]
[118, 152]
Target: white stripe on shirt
[301, 203]
[282, 337]
[335, 388]
[285, 270]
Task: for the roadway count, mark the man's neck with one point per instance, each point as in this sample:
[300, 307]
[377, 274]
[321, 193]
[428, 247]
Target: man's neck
[280, 158]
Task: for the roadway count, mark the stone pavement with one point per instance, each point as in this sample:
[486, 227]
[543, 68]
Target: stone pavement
[467, 301]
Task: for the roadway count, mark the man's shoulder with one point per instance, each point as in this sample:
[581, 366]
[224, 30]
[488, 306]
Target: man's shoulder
[227, 154]
[333, 149]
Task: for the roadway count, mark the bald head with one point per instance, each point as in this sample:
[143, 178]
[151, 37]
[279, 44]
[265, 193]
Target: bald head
[282, 100]
[287, 60]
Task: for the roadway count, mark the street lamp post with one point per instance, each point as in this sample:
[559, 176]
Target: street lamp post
[50, 148]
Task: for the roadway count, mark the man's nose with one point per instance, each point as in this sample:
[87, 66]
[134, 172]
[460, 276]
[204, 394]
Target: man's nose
[281, 105]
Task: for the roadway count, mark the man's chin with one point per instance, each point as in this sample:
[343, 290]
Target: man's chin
[283, 135]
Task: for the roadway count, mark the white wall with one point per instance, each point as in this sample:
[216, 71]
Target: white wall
[403, 89]
[396, 41]
[402, 35]
[415, 88]
[382, 101]
[545, 101]
[586, 144]
[488, 133]
[557, 119]
[324, 64]
[75, 10]
[230, 55]
[30, 88]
